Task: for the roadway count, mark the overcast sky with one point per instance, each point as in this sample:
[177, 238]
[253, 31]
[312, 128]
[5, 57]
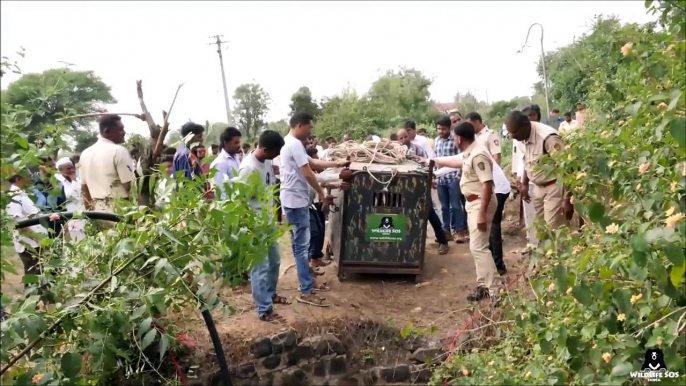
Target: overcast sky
[464, 46]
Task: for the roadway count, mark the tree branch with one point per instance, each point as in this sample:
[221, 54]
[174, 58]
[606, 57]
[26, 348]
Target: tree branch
[148, 118]
[165, 126]
[139, 116]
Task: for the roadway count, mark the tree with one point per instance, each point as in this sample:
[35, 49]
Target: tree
[346, 113]
[302, 101]
[252, 105]
[280, 126]
[467, 103]
[60, 92]
[569, 68]
[400, 95]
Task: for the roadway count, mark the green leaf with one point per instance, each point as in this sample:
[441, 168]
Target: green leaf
[582, 294]
[138, 312]
[677, 273]
[160, 264]
[144, 326]
[170, 236]
[29, 279]
[148, 338]
[633, 109]
[561, 278]
[71, 364]
[596, 211]
[678, 130]
[622, 369]
[164, 345]
[675, 254]
[675, 99]
[22, 142]
[623, 300]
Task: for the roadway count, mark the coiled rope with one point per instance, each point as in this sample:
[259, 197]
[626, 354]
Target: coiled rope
[382, 152]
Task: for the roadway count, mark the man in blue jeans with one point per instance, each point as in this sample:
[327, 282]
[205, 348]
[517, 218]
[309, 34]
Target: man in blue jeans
[265, 274]
[447, 187]
[296, 174]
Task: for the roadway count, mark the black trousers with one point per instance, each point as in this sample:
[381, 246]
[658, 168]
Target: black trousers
[436, 224]
[496, 236]
[317, 232]
[277, 200]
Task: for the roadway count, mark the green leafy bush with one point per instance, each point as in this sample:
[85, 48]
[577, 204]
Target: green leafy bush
[616, 288]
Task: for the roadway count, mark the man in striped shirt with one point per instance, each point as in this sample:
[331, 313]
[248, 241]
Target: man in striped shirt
[184, 160]
[447, 186]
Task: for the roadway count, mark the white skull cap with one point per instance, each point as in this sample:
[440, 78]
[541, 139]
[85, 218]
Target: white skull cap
[62, 161]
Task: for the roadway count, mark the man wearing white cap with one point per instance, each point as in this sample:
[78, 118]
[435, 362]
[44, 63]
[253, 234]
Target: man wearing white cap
[72, 191]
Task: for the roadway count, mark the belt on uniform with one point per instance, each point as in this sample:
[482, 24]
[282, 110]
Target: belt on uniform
[471, 197]
[546, 184]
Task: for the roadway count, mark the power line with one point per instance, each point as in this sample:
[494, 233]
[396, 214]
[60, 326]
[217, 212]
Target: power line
[218, 42]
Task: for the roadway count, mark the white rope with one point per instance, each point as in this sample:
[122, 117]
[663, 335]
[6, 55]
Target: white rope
[382, 152]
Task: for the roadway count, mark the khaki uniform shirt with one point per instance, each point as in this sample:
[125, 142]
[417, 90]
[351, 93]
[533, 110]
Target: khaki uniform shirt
[543, 141]
[105, 166]
[476, 169]
[490, 140]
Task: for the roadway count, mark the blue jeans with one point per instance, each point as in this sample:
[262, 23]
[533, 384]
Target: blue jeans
[263, 279]
[299, 219]
[451, 206]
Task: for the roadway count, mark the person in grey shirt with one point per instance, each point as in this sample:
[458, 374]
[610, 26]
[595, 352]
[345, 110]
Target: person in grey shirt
[296, 174]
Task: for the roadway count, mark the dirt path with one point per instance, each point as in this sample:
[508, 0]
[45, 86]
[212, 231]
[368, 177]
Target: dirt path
[394, 300]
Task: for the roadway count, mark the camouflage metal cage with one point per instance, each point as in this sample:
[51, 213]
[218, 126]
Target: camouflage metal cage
[379, 225]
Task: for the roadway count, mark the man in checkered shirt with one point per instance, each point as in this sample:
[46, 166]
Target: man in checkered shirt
[447, 186]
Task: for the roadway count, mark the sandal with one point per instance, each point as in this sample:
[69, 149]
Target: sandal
[321, 287]
[277, 299]
[271, 317]
[312, 300]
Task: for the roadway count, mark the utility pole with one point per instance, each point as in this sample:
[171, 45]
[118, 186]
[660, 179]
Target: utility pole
[229, 119]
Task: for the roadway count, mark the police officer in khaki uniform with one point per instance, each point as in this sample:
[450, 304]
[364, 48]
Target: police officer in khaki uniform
[539, 140]
[477, 186]
[485, 136]
[106, 168]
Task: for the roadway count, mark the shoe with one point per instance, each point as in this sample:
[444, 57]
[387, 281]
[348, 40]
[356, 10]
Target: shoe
[443, 249]
[459, 237]
[479, 294]
[448, 235]
[502, 271]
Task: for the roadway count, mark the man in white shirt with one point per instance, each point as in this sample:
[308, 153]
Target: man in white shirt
[227, 162]
[569, 124]
[423, 142]
[296, 174]
[106, 167]
[264, 275]
[72, 192]
[21, 207]
[330, 144]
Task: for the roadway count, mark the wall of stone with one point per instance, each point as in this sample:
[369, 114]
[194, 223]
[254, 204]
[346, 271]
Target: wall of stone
[285, 359]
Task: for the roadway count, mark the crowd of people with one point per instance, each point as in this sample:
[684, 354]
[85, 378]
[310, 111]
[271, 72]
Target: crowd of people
[471, 186]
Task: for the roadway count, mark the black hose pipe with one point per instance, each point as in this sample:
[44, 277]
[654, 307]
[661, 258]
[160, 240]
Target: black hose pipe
[107, 216]
[218, 349]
